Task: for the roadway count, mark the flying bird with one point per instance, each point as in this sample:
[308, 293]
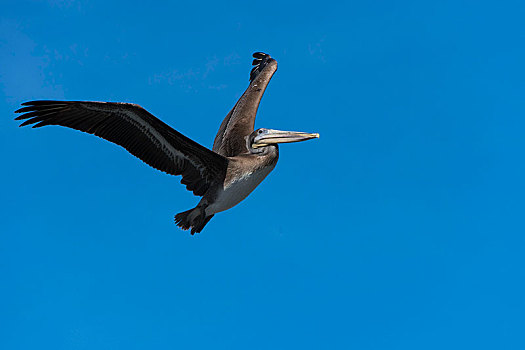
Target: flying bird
[239, 160]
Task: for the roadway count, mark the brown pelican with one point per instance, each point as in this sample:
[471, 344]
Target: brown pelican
[239, 160]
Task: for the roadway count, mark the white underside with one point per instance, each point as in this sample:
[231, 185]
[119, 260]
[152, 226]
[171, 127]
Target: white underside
[237, 191]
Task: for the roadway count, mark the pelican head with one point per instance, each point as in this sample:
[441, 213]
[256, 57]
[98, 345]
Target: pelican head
[266, 137]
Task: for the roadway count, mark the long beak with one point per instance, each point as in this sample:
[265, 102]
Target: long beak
[278, 136]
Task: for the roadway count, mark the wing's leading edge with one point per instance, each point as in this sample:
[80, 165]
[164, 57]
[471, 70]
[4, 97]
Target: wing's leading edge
[239, 123]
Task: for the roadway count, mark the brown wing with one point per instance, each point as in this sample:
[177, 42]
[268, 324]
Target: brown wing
[239, 123]
[139, 132]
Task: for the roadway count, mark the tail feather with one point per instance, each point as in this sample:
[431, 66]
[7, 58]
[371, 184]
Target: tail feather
[194, 218]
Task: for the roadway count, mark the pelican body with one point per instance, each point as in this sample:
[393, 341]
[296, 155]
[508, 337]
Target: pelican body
[239, 161]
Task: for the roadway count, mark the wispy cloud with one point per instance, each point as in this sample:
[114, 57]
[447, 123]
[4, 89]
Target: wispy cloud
[316, 49]
[185, 78]
[23, 66]
[66, 4]
[195, 78]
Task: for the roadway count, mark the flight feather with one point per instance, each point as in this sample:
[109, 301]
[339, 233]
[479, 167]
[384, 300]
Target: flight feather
[139, 132]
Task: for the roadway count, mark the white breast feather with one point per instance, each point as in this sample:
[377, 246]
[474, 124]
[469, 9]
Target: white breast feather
[237, 191]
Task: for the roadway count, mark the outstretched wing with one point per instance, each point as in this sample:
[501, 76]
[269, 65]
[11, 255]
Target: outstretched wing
[138, 131]
[239, 123]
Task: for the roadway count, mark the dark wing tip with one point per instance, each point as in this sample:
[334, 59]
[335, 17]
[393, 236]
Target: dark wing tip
[40, 110]
[41, 104]
[260, 61]
[260, 55]
[45, 102]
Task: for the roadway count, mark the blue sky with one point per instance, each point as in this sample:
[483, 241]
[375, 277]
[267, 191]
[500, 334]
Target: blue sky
[400, 228]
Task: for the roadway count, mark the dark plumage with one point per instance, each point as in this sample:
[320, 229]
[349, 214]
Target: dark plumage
[239, 161]
[138, 131]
